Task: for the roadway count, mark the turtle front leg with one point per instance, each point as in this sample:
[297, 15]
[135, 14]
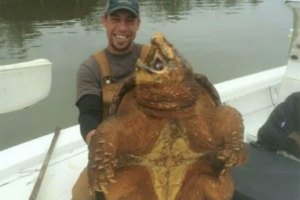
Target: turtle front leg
[228, 129]
[102, 156]
[201, 183]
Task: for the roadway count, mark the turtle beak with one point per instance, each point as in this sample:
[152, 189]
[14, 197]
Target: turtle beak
[140, 65]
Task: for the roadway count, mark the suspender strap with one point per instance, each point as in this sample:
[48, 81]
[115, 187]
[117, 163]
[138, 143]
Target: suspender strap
[109, 89]
[104, 66]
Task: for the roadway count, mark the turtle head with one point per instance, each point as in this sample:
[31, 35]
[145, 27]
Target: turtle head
[163, 64]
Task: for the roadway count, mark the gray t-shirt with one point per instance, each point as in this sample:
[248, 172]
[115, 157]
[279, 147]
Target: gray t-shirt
[89, 78]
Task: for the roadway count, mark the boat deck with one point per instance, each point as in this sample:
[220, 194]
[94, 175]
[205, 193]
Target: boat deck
[64, 167]
[267, 175]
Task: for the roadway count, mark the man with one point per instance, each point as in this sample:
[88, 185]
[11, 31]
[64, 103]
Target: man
[281, 131]
[108, 67]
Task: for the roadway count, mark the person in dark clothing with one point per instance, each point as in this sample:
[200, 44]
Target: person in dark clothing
[281, 131]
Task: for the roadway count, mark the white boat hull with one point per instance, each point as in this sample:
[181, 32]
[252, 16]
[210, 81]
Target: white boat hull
[24, 84]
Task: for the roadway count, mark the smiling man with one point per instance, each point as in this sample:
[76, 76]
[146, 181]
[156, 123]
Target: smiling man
[99, 75]
[121, 22]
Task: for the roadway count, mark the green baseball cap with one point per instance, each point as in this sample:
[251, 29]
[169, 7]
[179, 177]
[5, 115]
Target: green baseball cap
[130, 5]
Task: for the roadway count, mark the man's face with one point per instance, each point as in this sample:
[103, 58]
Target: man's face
[121, 27]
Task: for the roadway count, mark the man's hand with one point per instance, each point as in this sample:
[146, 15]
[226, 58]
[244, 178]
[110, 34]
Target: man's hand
[89, 136]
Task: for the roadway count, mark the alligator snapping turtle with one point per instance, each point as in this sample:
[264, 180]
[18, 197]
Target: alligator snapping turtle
[169, 138]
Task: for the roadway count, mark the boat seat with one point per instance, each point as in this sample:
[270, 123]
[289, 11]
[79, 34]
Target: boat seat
[267, 175]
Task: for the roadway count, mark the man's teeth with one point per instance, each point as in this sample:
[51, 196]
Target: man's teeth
[121, 37]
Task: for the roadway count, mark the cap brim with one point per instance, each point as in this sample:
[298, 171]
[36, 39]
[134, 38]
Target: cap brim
[123, 8]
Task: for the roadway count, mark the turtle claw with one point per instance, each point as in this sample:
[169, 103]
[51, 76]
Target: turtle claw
[223, 158]
[103, 189]
[228, 165]
[223, 172]
[111, 180]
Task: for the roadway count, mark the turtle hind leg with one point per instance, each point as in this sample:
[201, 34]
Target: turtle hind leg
[201, 183]
[132, 183]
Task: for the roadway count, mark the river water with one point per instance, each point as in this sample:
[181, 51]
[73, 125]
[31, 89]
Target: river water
[223, 39]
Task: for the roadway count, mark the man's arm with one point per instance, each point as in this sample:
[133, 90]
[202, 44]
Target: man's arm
[90, 115]
[89, 99]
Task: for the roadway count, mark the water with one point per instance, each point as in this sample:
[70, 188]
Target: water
[223, 39]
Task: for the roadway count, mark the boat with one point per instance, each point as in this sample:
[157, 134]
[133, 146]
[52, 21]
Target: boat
[267, 175]
[33, 78]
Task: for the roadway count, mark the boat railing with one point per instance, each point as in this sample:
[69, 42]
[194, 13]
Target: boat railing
[254, 96]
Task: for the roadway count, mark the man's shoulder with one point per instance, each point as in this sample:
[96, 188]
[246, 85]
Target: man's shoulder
[90, 62]
[90, 65]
